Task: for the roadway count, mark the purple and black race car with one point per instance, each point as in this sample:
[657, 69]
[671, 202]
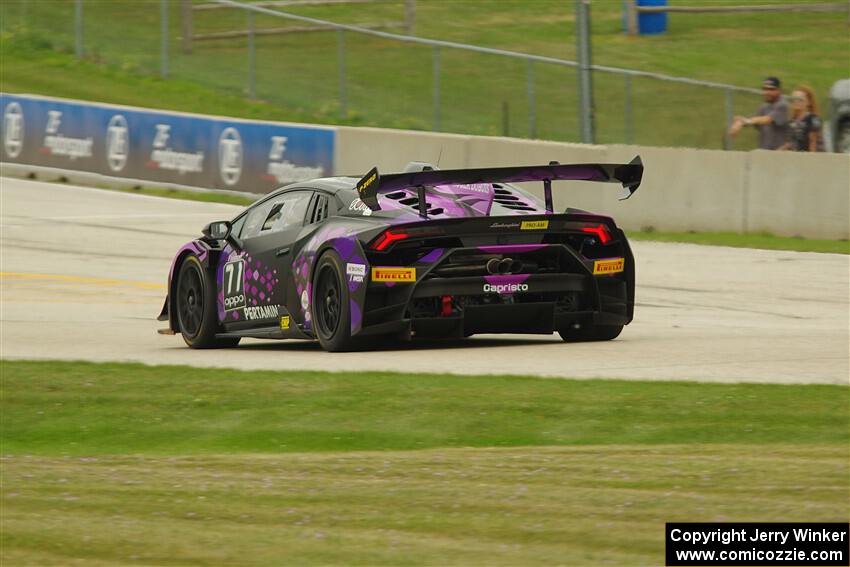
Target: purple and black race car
[427, 252]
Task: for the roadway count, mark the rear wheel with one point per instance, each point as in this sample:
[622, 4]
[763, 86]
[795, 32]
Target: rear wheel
[330, 305]
[194, 302]
[591, 333]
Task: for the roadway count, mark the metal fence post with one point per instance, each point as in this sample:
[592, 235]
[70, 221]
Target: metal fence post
[631, 16]
[186, 25]
[78, 27]
[343, 102]
[585, 86]
[436, 84]
[728, 141]
[532, 104]
[252, 78]
[163, 17]
[410, 16]
[628, 118]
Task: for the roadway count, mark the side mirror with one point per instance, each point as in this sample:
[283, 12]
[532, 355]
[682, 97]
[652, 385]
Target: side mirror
[218, 230]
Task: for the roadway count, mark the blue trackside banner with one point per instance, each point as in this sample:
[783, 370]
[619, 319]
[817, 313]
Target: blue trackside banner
[159, 146]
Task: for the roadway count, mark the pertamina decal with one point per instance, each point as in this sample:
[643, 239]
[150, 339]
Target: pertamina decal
[534, 225]
[261, 312]
[398, 275]
[608, 266]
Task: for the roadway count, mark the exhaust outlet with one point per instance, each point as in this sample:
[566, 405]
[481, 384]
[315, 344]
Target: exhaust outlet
[505, 266]
[493, 266]
[516, 267]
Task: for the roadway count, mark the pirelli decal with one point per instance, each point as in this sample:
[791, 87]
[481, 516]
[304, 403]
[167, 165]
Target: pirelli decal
[534, 225]
[398, 275]
[608, 266]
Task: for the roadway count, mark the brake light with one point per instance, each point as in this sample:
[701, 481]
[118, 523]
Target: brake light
[601, 231]
[386, 239]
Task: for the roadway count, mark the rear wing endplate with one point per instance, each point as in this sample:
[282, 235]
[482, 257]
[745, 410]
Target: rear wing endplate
[373, 183]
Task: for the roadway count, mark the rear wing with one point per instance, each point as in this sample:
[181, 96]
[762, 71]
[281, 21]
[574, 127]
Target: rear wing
[373, 183]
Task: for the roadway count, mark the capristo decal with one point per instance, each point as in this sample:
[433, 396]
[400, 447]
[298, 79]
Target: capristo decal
[505, 288]
[261, 312]
[397, 275]
[534, 225]
[608, 266]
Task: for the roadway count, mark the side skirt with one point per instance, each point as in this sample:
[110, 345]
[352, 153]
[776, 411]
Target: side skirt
[265, 333]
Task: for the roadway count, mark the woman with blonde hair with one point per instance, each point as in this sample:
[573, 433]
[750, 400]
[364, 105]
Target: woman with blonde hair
[805, 123]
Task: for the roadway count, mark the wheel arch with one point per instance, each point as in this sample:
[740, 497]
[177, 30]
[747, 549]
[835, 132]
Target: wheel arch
[357, 296]
[198, 248]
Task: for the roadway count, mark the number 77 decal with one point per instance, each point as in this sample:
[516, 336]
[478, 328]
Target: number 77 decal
[234, 282]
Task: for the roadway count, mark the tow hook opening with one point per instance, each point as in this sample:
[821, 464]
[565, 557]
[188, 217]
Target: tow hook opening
[446, 306]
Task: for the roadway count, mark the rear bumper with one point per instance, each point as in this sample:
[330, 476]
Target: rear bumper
[540, 283]
[536, 318]
[519, 303]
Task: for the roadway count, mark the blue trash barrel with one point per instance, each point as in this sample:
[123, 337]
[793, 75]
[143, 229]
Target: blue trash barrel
[650, 24]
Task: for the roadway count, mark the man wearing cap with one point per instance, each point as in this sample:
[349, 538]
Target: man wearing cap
[771, 120]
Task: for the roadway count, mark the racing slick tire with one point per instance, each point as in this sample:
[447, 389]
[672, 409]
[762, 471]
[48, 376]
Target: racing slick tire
[591, 333]
[194, 302]
[330, 305]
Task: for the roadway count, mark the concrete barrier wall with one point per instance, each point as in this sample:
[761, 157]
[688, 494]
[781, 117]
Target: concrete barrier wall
[683, 189]
[786, 193]
[803, 194]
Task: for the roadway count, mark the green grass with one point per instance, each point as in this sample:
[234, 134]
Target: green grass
[94, 409]
[212, 196]
[765, 241]
[114, 464]
[390, 84]
[203, 196]
[589, 505]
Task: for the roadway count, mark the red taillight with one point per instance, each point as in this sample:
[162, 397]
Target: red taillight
[386, 239]
[601, 231]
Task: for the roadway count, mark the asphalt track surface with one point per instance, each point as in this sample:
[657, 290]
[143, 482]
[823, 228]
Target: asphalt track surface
[84, 270]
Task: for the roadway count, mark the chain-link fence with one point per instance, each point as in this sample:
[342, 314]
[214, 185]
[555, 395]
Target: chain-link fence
[367, 75]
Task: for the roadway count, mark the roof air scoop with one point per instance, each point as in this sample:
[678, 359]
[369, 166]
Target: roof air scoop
[416, 166]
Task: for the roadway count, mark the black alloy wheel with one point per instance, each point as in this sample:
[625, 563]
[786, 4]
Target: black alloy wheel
[190, 299]
[330, 305]
[194, 303]
[327, 302]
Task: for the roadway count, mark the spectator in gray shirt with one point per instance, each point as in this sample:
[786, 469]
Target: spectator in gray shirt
[771, 120]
